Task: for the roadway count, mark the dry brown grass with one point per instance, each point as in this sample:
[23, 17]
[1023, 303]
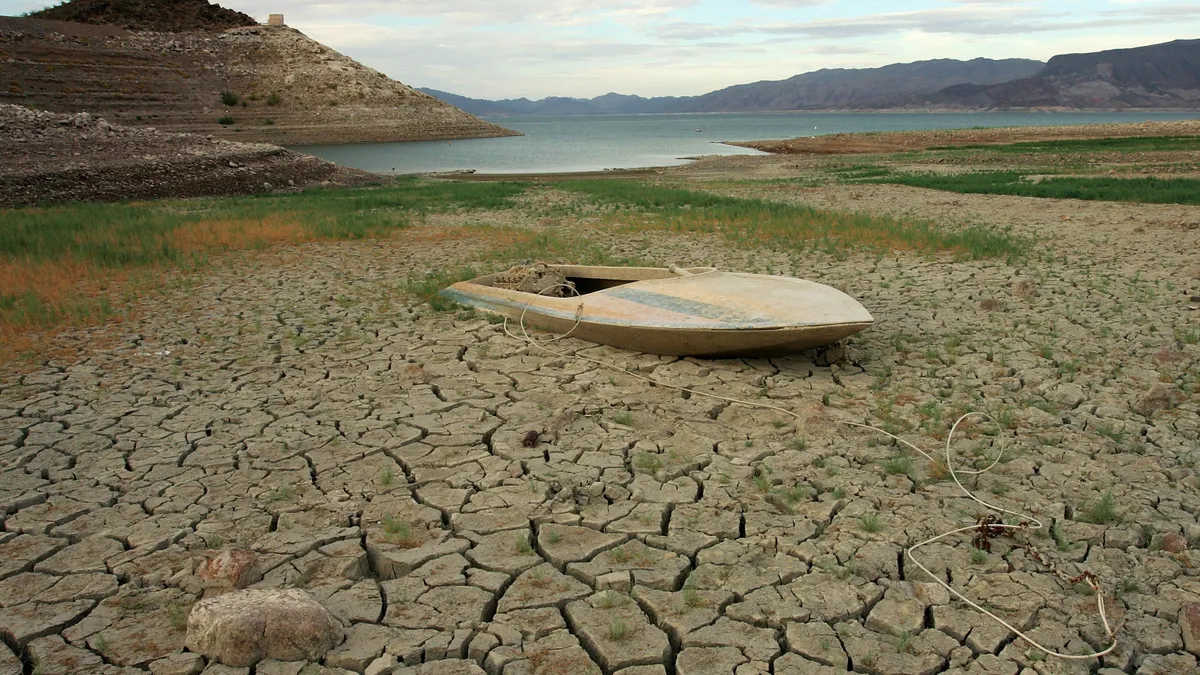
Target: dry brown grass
[234, 235]
[991, 305]
[68, 294]
[46, 297]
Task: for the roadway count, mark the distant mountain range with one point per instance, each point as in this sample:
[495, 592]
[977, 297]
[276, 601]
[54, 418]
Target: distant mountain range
[1165, 75]
[819, 90]
[1158, 76]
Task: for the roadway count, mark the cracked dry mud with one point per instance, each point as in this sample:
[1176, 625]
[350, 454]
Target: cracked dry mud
[369, 451]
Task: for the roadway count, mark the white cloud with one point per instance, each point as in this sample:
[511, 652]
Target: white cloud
[535, 48]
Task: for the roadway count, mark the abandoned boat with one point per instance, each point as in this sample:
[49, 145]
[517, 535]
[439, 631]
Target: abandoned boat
[697, 311]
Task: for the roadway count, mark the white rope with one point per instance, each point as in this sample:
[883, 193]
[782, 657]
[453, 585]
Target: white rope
[1028, 522]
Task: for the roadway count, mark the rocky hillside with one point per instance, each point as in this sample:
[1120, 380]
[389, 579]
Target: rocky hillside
[251, 83]
[1165, 75]
[52, 158]
[826, 89]
[179, 15]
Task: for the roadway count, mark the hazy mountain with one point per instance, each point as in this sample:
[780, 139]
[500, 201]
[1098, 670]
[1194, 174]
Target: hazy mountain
[1165, 75]
[824, 89]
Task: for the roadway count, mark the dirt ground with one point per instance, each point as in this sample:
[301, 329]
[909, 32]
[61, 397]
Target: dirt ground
[295, 403]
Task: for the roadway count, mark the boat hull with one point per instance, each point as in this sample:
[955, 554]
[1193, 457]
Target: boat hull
[706, 313]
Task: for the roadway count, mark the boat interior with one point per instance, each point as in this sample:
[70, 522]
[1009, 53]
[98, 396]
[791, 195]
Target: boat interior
[590, 279]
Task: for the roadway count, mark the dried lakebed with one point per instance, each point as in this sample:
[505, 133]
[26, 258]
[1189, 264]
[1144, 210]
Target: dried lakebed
[370, 451]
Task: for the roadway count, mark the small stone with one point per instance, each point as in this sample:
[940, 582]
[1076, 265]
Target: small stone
[1174, 543]
[244, 627]
[1189, 621]
[232, 569]
[1160, 397]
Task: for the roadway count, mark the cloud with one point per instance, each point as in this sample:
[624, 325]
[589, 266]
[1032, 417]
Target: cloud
[472, 12]
[976, 18]
[511, 48]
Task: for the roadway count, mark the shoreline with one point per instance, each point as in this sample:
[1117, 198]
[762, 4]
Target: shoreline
[872, 142]
[878, 111]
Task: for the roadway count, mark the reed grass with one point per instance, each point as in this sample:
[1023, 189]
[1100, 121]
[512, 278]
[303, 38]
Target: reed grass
[83, 264]
[1148, 190]
[758, 222]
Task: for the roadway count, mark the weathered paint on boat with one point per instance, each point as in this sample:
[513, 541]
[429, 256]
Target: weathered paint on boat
[696, 312]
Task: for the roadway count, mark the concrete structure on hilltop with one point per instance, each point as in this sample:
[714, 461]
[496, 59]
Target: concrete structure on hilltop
[275, 20]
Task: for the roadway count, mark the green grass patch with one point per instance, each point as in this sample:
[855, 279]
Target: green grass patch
[859, 172]
[1147, 190]
[132, 234]
[1136, 144]
[758, 222]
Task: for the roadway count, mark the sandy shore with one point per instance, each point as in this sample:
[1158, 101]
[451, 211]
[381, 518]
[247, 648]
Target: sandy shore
[369, 451]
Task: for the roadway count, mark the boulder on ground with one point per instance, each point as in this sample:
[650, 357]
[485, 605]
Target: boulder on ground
[244, 627]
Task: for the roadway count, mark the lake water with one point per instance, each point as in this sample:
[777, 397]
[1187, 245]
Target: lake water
[597, 142]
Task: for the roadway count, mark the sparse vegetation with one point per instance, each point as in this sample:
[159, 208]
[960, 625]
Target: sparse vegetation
[225, 120]
[756, 222]
[609, 599]
[280, 494]
[523, 547]
[897, 465]
[229, 99]
[646, 460]
[399, 532]
[1100, 512]
[618, 629]
[870, 523]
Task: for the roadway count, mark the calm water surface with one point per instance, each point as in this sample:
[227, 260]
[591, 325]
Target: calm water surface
[593, 143]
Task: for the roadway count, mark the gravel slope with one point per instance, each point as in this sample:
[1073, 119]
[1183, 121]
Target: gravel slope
[53, 158]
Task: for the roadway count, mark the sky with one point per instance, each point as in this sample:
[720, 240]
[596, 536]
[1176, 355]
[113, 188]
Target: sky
[583, 48]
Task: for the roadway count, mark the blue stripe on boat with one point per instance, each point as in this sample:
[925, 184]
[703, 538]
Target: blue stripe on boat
[725, 315]
[721, 318]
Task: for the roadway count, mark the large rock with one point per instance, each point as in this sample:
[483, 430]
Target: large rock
[244, 627]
